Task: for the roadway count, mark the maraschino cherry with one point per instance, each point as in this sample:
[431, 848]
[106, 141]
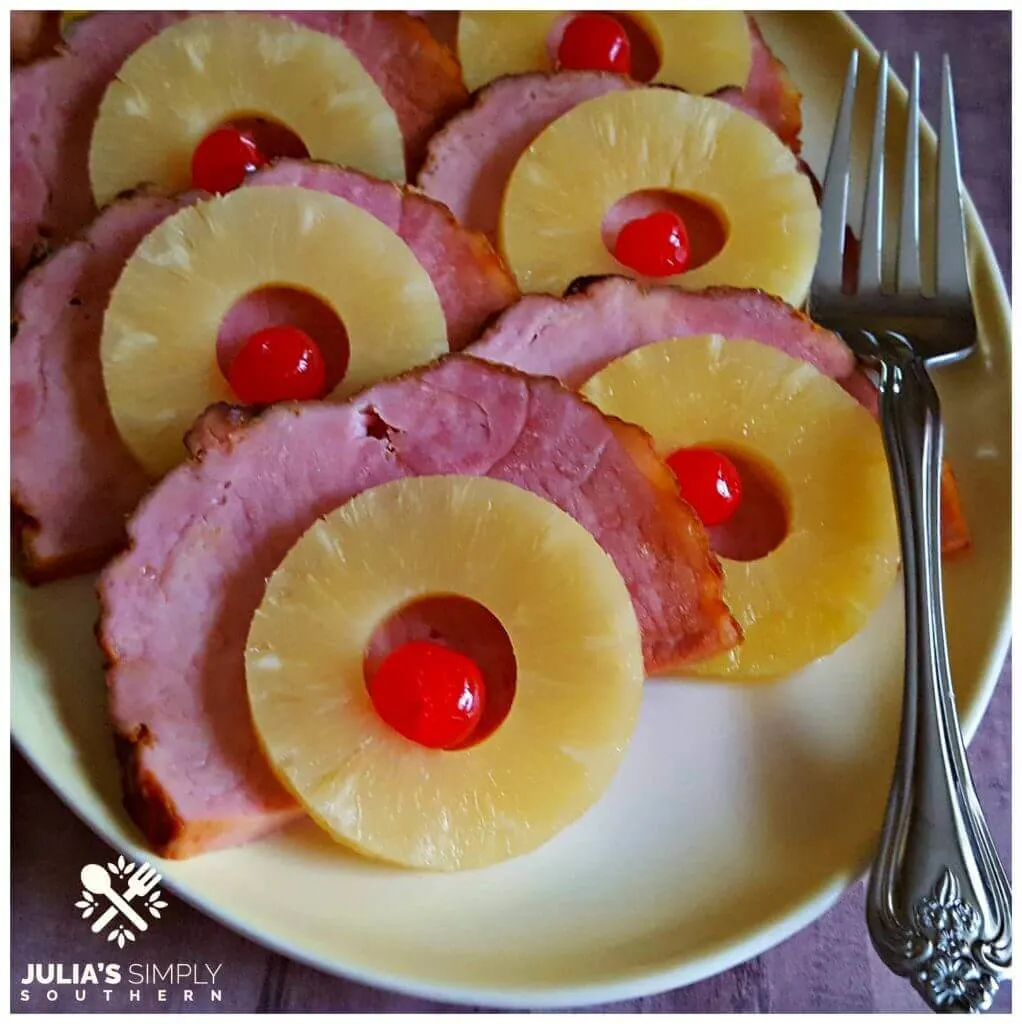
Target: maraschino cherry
[654, 246]
[278, 364]
[709, 481]
[429, 693]
[222, 160]
[594, 42]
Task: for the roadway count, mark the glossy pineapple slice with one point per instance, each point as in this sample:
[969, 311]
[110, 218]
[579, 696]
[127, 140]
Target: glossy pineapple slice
[202, 72]
[624, 142]
[840, 556]
[700, 51]
[158, 347]
[576, 643]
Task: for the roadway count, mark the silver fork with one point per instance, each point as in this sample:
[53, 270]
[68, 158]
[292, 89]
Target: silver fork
[938, 904]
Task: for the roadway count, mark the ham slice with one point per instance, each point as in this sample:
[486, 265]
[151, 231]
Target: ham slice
[73, 478]
[34, 34]
[54, 103]
[471, 280]
[73, 481]
[574, 337]
[469, 162]
[177, 605]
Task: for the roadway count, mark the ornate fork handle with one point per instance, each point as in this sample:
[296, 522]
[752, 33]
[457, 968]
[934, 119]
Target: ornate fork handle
[939, 904]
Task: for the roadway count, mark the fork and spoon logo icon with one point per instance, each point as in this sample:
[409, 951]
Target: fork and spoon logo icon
[98, 885]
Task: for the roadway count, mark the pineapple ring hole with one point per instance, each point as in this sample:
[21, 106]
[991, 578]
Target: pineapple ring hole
[275, 140]
[706, 225]
[646, 57]
[465, 626]
[763, 518]
[275, 305]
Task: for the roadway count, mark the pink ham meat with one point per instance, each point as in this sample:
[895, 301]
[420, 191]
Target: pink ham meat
[72, 476]
[55, 101]
[574, 337]
[177, 605]
[469, 162]
[470, 278]
[73, 481]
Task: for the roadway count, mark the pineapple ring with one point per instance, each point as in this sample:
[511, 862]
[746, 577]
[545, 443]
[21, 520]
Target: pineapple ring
[700, 51]
[576, 642]
[819, 586]
[624, 142]
[194, 76]
[158, 347]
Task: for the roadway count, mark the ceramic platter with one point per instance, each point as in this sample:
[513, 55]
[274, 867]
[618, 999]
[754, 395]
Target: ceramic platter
[739, 816]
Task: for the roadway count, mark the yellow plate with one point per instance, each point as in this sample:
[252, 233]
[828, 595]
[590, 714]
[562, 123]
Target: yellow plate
[739, 816]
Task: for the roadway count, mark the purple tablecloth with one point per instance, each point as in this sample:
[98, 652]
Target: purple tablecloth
[827, 967]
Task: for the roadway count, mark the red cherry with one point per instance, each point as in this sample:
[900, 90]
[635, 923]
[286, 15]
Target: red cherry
[594, 42]
[223, 158]
[709, 481]
[654, 246]
[430, 694]
[278, 364]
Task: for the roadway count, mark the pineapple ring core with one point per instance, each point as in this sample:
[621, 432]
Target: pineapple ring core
[818, 587]
[576, 641]
[707, 228]
[763, 517]
[610, 147]
[465, 626]
[159, 343]
[700, 51]
[207, 70]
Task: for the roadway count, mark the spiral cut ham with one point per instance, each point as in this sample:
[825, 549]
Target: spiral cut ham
[572, 338]
[468, 163]
[177, 605]
[73, 480]
[54, 103]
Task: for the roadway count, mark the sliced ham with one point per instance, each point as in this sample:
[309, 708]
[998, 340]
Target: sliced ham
[574, 337]
[469, 162]
[771, 91]
[177, 605]
[72, 477]
[54, 104]
[470, 278]
[34, 34]
[73, 482]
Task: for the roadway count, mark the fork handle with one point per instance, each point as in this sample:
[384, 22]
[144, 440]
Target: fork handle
[938, 903]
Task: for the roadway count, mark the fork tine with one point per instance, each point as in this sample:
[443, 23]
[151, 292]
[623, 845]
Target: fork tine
[952, 265]
[870, 262]
[834, 205]
[909, 279]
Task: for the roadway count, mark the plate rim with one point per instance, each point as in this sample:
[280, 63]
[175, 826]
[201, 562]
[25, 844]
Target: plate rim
[716, 960]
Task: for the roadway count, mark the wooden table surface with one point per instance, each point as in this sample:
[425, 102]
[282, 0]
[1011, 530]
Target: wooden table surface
[827, 967]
